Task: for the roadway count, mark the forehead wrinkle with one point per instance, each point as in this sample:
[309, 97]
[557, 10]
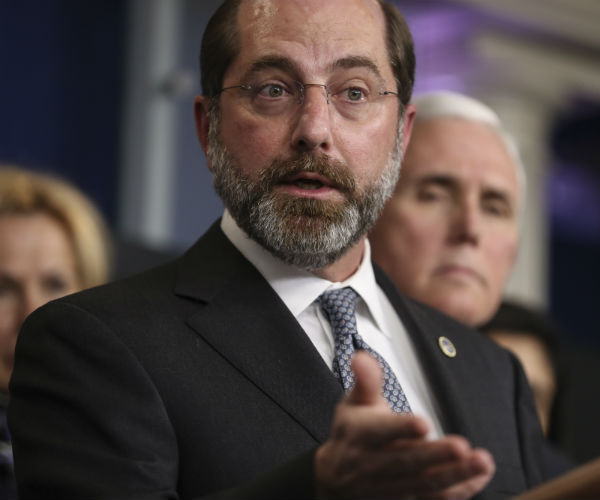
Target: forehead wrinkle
[288, 66]
[269, 19]
[501, 175]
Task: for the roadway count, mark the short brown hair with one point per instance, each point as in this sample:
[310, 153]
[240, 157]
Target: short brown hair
[220, 46]
[400, 49]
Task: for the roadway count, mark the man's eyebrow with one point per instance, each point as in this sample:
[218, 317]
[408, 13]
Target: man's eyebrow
[492, 193]
[439, 180]
[271, 62]
[351, 62]
[450, 182]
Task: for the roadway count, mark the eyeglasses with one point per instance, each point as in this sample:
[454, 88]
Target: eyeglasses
[352, 99]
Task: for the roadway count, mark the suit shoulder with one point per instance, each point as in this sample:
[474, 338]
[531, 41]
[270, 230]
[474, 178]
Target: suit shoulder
[137, 298]
[147, 282]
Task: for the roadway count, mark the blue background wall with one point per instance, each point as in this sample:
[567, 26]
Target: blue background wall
[60, 90]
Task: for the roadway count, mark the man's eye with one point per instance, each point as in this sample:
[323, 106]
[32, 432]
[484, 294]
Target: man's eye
[272, 91]
[355, 94]
[431, 194]
[497, 209]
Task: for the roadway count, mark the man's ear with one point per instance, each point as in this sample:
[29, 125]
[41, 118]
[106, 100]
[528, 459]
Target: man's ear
[202, 119]
[409, 117]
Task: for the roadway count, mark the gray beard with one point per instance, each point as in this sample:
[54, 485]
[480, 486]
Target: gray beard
[305, 232]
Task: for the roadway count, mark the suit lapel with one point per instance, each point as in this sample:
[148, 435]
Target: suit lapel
[473, 400]
[446, 375]
[243, 319]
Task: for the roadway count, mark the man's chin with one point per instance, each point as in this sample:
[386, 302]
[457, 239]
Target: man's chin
[309, 209]
[464, 305]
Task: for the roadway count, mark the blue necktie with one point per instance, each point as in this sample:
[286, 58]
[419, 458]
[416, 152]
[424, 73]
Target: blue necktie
[339, 307]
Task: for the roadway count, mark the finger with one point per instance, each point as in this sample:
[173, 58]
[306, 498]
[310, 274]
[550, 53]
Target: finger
[481, 461]
[387, 471]
[373, 428]
[412, 457]
[368, 381]
[463, 480]
[460, 479]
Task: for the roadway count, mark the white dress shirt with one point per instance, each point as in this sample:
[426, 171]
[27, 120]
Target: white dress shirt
[376, 319]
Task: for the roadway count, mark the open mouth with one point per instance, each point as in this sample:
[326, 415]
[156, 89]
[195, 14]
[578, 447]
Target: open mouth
[308, 181]
[308, 184]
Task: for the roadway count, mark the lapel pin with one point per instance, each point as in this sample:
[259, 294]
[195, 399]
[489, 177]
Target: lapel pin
[447, 346]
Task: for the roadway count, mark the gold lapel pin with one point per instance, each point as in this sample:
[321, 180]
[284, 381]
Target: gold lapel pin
[447, 346]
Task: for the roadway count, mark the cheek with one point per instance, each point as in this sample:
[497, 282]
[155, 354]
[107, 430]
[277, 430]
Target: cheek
[501, 255]
[366, 152]
[421, 233]
[8, 326]
[414, 243]
[253, 146]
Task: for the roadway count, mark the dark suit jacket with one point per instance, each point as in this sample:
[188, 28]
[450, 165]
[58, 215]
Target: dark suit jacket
[194, 377]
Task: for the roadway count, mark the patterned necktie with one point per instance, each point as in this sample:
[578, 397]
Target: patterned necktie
[339, 307]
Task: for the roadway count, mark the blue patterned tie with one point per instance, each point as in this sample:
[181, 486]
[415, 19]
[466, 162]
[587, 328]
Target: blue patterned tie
[339, 307]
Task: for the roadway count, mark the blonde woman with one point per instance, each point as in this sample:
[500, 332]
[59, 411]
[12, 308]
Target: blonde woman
[53, 242]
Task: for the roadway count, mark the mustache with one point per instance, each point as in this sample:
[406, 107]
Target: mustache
[335, 171]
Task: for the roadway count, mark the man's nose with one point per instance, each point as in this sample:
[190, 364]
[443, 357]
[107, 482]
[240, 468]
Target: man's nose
[312, 128]
[466, 223]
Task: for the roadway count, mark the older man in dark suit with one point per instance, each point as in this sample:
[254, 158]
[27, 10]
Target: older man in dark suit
[223, 373]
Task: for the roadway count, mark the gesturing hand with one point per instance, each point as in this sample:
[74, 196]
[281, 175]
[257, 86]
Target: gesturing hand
[372, 453]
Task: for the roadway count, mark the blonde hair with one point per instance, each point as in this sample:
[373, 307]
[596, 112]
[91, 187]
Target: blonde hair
[26, 192]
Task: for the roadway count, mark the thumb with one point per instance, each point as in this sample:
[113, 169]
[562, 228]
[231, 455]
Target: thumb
[368, 380]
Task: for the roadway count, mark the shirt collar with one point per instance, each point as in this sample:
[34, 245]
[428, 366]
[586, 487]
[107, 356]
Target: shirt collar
[299, 288]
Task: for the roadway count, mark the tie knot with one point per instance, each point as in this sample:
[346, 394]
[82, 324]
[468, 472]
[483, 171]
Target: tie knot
[339, 305]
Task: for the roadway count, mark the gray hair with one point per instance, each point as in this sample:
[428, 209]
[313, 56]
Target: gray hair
[447, 104]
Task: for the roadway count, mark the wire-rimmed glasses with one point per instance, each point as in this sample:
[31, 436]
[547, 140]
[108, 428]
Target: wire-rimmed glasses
[355, 100]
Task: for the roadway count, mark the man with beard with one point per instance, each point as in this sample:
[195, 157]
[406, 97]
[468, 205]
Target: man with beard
[223, 373]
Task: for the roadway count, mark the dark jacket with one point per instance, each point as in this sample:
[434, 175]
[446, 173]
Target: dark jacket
[194, 378]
